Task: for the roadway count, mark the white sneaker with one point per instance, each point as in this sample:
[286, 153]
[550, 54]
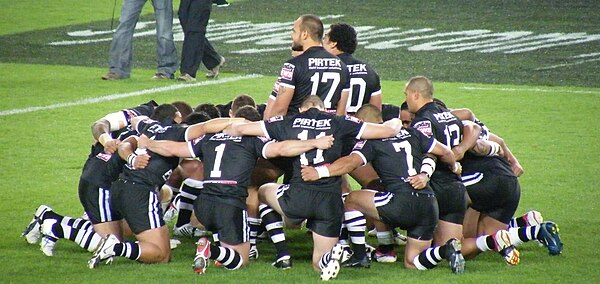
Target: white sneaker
[105, 251]
[333, 266]
[400, 239]
[190, 231]
[173, 210]
[47, 245]
[32, 232]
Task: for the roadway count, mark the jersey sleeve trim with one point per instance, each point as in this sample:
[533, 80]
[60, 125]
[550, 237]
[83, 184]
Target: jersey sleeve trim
[190, 145]
[264, 149]
[376, 93]
[281, 84]
[432, 145]
[361, 131]
[362, 157]
[264, 129]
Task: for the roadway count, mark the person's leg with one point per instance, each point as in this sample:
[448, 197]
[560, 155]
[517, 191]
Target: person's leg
[470, 223]
[165, 46]
[272, 217]
[79, 231]
[357, 206]
[121, 48]
[194, 41]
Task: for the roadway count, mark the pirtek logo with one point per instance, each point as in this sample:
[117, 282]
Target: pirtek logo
[312, 123]
[270, 37]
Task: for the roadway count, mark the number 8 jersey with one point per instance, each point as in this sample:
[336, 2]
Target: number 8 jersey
[314, 72]
[439, 123]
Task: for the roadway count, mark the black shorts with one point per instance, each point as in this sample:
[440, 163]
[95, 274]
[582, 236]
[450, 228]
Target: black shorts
[95, 202]
[230, 222]
[416, 213]
[323, 211]
[138, 204]
[452, 200]
[496, 196]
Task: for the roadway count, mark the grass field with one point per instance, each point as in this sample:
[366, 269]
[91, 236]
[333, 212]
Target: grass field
[548, 117]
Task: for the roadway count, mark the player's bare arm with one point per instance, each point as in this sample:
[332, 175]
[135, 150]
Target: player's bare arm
[342, 103]
[246, 129]
[379, 131]
[127, 152]
[292, 148]
[512, 159]
[212, 126]
[341, 166]
[471, 133]
[281, 103]
[165, 147]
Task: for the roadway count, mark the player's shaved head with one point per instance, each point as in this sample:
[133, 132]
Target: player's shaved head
[313, 25]
[420, 84]
[369, 113]
[313, 101]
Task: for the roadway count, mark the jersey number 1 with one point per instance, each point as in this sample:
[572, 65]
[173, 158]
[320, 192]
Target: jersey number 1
[216, 171]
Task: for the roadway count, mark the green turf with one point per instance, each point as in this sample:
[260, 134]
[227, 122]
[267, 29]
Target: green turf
[552, 130]
[42, 154]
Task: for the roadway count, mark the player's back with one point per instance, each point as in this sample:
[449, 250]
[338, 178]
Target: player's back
[396, 158]
[314, 124]
[228, 162]
[364, 82]
[439, 123]
[314, 72]
[159, 168]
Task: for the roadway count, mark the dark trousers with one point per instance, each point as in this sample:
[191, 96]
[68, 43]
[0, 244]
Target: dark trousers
[194, 16]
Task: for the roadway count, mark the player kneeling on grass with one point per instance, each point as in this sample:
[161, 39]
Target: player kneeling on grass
[228, 165]
[409, 203]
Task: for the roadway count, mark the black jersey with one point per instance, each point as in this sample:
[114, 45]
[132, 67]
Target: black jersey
[314, 124]
[314, 72]
[100, 168]
[228, 164]
[474, 167]
[159, 168]
[439, 123]
[397, 158]
[364, 82]
[389, 111]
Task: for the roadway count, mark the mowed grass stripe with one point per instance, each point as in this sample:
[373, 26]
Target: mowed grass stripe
[129, 94]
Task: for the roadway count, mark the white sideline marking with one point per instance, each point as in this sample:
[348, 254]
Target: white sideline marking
[130, 94]
[529, 90]
[566, 64]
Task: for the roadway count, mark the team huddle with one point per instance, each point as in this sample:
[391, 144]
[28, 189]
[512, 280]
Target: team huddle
[439, 174]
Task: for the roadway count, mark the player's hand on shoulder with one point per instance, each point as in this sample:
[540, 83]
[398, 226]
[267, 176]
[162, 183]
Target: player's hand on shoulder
[309, 173]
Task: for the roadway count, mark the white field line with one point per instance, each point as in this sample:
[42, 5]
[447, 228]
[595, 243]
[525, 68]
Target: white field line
[530, 90]
[130, 94]
[566, 64]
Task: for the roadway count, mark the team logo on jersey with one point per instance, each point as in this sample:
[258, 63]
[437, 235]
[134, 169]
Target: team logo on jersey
[424, 127]
[287, 72]
[353, 119]
[275, 118]
[263, 139]
[197, 140]
[359, 145]
[104, 156]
